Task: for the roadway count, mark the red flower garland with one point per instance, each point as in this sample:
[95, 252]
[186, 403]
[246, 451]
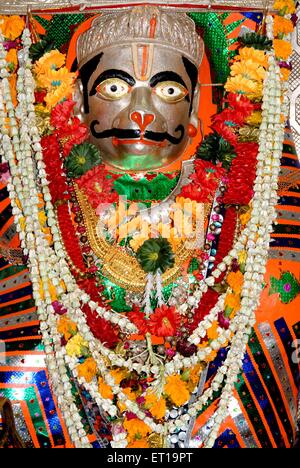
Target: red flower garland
[101, 329]
[242, 175]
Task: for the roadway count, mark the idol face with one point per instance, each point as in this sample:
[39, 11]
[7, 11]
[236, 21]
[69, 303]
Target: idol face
[138, 104]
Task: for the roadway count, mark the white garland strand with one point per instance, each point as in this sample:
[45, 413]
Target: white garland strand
[48, 266]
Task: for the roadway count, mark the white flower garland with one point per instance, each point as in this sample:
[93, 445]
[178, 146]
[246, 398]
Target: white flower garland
[49, 266]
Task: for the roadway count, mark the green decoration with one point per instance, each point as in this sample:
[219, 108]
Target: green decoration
[145, 190]
[287, 286]
[156, 255]
[215, 149]
[59, 28]
[81, 159]
[194, 265]
[41, 48]
[257, 41]
[217, 43]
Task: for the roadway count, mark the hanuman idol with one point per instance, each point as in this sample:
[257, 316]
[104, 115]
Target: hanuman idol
[166, 285]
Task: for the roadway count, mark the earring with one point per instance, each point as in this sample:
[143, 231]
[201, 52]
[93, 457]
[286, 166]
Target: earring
[192, 131]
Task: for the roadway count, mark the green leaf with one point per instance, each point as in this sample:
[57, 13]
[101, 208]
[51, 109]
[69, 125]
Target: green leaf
[215, 149]
[81, 159]
[41, 48]
[156, 255]
[257, 41]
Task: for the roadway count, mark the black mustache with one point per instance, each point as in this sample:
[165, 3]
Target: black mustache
[131, 134]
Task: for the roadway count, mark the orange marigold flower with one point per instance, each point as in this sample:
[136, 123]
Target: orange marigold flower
[138, 444]
[157, 407]
[87, 370]
[283, 49]
[105, 390]
[282, 25]
[212, 332]
[177, 390]
[12, 27]
[12, 58]
[236, 281]
[119, 375]
[136, 429]
[285, 74]
[233, 302]
[67, 328]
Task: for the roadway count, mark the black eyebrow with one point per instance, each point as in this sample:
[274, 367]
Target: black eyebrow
[166, 76]
[107, 74]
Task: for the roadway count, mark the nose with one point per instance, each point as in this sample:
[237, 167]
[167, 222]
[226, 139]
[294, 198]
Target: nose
[142, 119]
[141, 110]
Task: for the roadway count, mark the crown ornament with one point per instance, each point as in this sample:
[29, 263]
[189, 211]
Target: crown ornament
[141, 25]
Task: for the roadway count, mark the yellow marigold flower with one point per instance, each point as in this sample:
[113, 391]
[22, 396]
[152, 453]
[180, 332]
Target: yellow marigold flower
[245, 218]
[66, 327]
[54, 79]
[255, 118]
[257, 56]
[194, 377]
[212, 332]
[282, 25]
[177, 390]
[236, 281]
[105, 390]
[283, 49]
[75, 346]
[242, 257]
[233, 302]
[51, 61]
[11, 26]
[12, 58]
[87, 370]
[239, 84]
[52, 291]
[57, 95]
[136, 429]
[288, 6]
[249, 70]
[156, 406]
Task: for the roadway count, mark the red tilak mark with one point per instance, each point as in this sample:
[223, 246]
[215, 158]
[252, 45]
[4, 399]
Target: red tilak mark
[153, 24]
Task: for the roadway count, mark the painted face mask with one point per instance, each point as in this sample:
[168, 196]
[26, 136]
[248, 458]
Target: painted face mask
[140, 94]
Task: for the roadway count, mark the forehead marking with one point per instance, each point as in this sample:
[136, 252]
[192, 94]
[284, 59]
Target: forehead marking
[143, 72]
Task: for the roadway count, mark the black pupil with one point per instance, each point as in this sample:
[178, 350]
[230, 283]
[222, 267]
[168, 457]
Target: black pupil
[114, 88]
[171, 91]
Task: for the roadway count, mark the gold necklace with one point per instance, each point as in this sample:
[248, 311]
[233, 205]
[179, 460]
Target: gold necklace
[119, 266]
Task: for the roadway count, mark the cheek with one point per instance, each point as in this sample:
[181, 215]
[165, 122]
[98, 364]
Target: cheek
[105, 111]
[175, 114]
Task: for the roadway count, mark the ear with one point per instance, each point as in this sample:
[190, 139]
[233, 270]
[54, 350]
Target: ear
[78, 99]
[194, 119]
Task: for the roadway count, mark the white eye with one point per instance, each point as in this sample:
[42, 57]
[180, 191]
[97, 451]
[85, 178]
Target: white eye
[113, 89]
[170, 91]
